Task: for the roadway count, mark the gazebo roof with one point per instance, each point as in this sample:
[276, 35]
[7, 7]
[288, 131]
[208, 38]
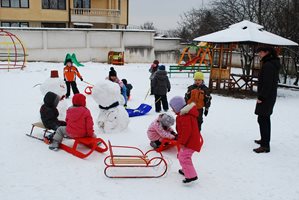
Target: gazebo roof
[246, 31]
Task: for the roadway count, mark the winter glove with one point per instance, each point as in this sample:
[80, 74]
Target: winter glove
[64, 79]
[81, 79]
[168, 90]
[206, 112]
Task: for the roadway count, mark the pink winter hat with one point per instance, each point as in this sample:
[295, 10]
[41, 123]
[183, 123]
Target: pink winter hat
[177, 103]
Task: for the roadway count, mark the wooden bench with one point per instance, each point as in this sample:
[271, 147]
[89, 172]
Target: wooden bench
[179, 69]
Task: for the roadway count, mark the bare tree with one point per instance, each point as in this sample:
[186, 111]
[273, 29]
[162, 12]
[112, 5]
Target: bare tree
[148, 26]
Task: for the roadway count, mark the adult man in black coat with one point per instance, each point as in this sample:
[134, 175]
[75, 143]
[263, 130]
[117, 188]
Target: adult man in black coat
[267, 92]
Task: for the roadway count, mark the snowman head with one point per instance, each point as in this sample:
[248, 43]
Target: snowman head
[105, 93]
[53, 84]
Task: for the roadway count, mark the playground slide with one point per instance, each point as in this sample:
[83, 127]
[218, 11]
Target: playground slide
[74, 60]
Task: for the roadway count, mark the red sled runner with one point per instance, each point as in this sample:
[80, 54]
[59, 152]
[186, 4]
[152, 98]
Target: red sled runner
[93, 144]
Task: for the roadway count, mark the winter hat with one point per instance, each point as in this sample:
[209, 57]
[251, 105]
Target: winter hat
[112, 72]
[125, 82]
[79, 100]
[198, 76]
[177, 103]
[162, 67]
[51, 99]
[68, 60]
[167, 120]
[156, 62]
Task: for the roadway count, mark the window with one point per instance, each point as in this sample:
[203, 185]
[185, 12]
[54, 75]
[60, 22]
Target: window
[15, 3]
[119, 4]
[54, 4]
[54, 25]
[81, 3]
[14, 24]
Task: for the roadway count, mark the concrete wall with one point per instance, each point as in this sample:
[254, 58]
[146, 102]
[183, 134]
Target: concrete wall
[87, 44]
[167, 50]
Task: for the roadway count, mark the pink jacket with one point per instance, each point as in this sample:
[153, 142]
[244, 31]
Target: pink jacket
[79, 122]
[156, 132]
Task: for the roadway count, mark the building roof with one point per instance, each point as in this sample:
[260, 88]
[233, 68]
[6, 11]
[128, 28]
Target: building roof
[246, 31]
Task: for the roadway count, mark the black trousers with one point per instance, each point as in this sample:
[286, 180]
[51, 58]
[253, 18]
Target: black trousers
[265, 130]
[68, 88]
[200, 118]
[161, 99]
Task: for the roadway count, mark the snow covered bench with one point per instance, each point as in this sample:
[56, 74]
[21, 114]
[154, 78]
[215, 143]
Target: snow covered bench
[179, 69]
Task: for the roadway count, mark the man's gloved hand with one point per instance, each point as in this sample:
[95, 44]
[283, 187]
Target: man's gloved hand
[81, 79]
[206, 112]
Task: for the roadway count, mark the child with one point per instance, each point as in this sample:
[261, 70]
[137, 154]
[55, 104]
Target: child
[128, 86]
[152, 70]
[200, 95]
[189, 136]
[159, 129]
[113, 77]
[160, 86]
[70, 72]
[79, 122]
[49, 113]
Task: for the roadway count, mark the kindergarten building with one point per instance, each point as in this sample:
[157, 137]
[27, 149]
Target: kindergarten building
[64, 13]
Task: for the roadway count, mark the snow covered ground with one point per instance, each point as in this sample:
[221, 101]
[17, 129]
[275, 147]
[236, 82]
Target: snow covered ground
[227, 167]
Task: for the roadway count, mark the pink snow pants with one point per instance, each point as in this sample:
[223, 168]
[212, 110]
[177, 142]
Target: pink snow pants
[185, 160]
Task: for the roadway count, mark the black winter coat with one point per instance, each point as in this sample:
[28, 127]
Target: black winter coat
[267, 85]
[160, 83]
[48, 111]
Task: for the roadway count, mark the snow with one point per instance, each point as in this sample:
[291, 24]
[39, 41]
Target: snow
[246, 31]
[226, 166]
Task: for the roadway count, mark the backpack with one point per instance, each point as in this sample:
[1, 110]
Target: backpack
[197, 96]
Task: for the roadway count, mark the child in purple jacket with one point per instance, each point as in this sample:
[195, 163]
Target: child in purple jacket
[161, 128]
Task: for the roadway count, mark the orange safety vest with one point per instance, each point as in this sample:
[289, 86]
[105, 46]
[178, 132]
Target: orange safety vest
[70, 73]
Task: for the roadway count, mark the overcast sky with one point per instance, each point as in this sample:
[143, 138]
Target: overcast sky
[163, 13]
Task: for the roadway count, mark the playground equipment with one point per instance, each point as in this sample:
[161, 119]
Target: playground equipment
[116, 58]
[12, 51]
[193, 58]
[74, 59]
[155, 166]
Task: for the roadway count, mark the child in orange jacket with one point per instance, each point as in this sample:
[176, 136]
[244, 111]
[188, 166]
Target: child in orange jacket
[70, 73]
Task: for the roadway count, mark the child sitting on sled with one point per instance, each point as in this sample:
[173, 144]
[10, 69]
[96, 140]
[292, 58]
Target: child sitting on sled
[49, 113]
[79, 122]
[160, 129]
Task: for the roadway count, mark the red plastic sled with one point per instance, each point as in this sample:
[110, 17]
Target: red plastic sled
[168, 143]
[93, 143]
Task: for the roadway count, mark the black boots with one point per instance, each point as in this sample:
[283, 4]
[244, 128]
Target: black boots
[188, 180]
[258, 142]
[262, 150]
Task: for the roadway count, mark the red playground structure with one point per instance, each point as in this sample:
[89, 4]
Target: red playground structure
[12, 51]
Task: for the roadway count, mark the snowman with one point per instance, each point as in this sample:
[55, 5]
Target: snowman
[113, 116]
[56, 85]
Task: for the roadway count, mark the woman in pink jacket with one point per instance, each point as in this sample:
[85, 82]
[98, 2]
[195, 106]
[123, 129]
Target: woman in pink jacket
[161, 128]
[79, 122]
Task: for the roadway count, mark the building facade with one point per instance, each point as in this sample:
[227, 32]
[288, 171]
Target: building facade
[64, 13]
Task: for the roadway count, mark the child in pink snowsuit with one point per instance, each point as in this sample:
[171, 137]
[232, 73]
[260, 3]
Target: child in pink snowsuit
[159, 129]
[189, 136]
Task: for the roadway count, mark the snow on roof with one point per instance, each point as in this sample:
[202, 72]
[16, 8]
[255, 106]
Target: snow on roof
[246, 31]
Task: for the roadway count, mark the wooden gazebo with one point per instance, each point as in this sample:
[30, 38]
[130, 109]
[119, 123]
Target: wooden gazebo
[244, 36]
